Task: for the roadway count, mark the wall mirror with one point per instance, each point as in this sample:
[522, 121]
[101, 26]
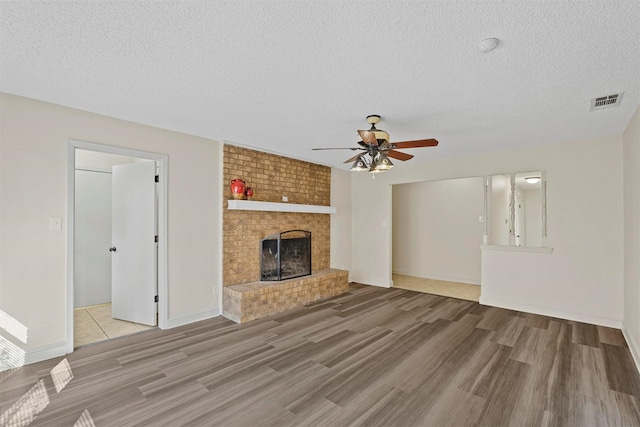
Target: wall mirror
[515, 209]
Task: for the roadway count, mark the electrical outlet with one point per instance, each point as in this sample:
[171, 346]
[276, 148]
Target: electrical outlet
[285, 199]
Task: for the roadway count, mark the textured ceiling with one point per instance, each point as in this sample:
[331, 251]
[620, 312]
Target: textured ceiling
[289, 76]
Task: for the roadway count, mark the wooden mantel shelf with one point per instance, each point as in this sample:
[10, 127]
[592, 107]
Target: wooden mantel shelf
[248, 205]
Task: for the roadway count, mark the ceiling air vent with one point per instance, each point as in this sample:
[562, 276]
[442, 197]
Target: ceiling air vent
[603, 102]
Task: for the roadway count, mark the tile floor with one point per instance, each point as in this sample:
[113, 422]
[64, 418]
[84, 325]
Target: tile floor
[94, 323]
[437, 287]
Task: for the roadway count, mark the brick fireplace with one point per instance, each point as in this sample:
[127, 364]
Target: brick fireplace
[272, 177]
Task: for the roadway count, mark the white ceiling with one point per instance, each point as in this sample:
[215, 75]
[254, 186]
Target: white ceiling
[288, 76]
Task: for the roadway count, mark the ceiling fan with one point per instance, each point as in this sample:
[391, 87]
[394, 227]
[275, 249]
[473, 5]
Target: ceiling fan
[375, 143]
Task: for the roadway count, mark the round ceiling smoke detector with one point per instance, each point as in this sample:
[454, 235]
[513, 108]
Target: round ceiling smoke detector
[487, 45]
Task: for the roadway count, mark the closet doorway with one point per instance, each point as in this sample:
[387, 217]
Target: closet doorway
[116, 262]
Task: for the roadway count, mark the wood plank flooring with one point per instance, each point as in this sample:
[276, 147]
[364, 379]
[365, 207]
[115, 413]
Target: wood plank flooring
[372, 357]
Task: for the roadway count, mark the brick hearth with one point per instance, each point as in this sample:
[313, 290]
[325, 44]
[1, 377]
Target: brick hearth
[250, 301]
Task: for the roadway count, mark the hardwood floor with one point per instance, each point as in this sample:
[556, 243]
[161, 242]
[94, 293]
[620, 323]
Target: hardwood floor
[372, 357]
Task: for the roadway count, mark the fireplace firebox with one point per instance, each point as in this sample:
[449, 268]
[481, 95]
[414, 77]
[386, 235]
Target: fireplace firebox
[285, 255]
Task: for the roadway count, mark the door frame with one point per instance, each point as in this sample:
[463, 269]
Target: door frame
[163, 162]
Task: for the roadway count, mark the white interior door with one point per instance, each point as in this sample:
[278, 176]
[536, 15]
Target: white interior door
[133, 274]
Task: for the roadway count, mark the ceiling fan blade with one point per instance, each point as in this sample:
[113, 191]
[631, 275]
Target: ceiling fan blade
[352, 158]
[340, 148]
[368, 137]
[399, 155]
[415, 144]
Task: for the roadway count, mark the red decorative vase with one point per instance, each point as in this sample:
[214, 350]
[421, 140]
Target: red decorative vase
[249, 193]
[237, 189]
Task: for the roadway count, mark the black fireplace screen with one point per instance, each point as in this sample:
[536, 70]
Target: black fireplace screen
[285, 255]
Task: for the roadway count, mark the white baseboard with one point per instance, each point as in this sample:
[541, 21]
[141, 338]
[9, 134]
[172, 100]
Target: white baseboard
[180, 321]
[437, 277]
[370, 283]
[46, 352]
[610, 323]
[633, 346]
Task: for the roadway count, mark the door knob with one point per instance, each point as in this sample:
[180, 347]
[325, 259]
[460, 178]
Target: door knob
[112, 249]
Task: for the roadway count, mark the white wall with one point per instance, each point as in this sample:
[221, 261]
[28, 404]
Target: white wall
[436, 229]
[371, 229]
[92, 259]
[631, 156]
[33, 152]
[340, 255]
[533, 217]
[499, 215]
[581, 279]
[103, 162]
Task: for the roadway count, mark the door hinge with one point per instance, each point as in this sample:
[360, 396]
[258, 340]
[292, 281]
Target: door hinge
[155, 238]
[157, 178]
[155, 299]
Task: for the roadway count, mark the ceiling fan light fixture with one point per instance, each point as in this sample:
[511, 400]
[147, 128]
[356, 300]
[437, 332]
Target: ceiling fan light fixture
[359, 165]
[384, 163]
[380, 163]
[532, 179]
[374, 167]
[376, 149]
[373, 119]
[381, 135]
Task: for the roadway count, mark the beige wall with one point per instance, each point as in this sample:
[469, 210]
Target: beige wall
[341, 221]
[33, 153]
[631, 156]
[581, 279]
